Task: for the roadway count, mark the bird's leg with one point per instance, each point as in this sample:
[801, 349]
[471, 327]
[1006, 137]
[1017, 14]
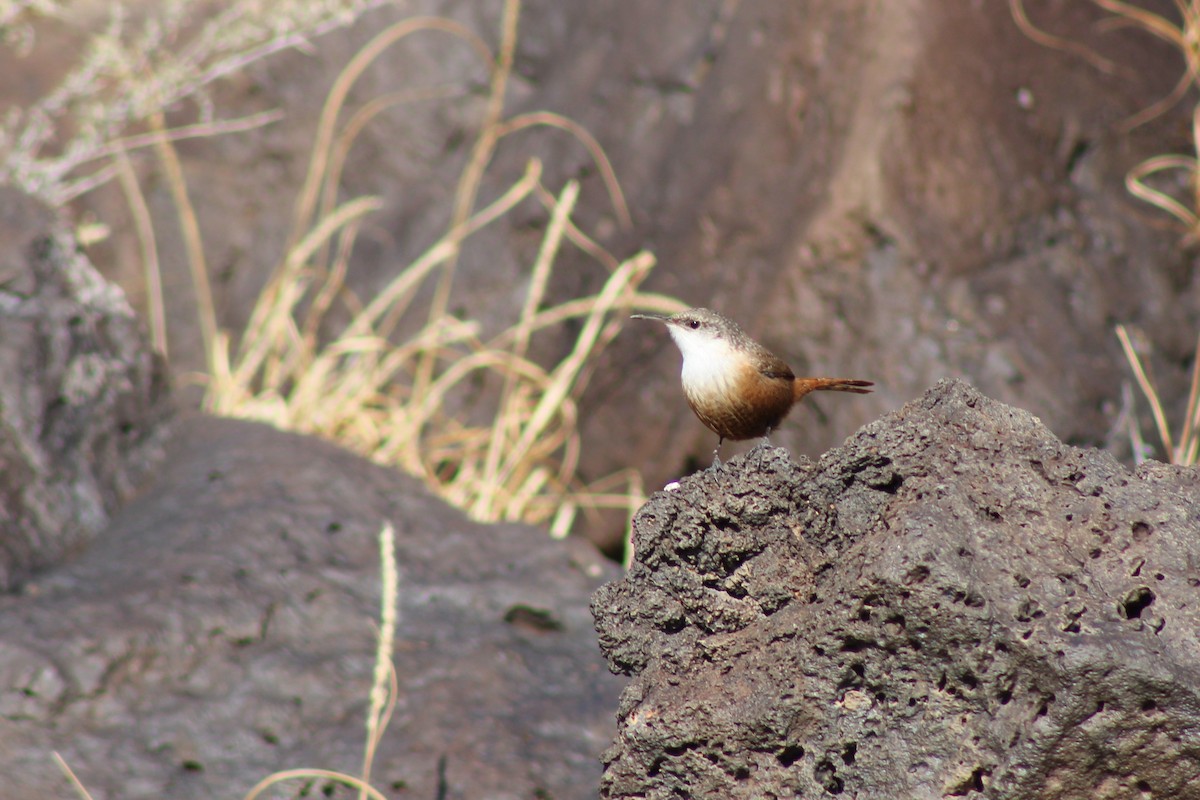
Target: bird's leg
[716, 462]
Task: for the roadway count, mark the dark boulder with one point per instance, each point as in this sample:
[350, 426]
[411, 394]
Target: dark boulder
[952, 604]
[224, 627]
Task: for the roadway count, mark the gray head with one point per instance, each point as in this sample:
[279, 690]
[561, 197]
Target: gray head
[701, 330]
[698, 319]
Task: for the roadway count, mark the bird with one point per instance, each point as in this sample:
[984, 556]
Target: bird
[738, 388]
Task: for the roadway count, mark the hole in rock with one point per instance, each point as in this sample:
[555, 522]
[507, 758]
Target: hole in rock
[853, 677]
[853, 644]
[825, 774]
[790, 755]
[918, 574]
[1136, 602]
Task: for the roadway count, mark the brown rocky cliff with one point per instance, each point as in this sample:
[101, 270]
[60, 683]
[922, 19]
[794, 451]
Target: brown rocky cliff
[952, 604]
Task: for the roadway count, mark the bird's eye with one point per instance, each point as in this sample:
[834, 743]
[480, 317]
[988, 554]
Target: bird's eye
[693, 324]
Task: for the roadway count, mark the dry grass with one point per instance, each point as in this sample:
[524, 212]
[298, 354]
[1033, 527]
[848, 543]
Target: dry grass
[407, 400]
[384, 688]
[397, 400]
[1186, 449]
[507, 452]
[132, 67]
[1184, 37]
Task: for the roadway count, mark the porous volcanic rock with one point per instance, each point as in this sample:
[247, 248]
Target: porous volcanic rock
[224, 627]
[952, 604]
[83, 400]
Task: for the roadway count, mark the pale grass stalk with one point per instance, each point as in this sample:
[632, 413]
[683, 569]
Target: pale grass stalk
[334, 278]
[382, 697]
[563, 519]
[127, 144]
[632, 271]
[500, 361]
[468, 185]
[577, 237]
[343, 223]
[522, 496]
[144, 230]
[318, 173]
[607, 173]
[396, 293]
[502, 432]
[1134, 183]
[1148, 390]
[271, 321]
[64, 191]
[76, 784]
[344, 143]
[1017, 9]
[189, 225]
[550, 317]
[1188, 450]
[1183, 37]
[310, 773]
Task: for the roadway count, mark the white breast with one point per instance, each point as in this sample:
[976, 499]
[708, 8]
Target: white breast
[710, 365]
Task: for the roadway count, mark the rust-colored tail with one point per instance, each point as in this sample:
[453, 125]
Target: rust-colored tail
[803, 386]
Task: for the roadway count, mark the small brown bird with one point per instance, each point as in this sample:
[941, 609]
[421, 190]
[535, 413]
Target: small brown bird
[737, 387]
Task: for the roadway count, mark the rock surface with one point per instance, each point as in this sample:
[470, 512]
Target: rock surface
[952, 604]
[83, 400]
[223, 627]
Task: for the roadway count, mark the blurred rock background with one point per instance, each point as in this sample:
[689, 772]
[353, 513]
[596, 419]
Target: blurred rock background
[898, 191]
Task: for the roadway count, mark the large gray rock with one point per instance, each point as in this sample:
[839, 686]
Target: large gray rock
[954, 603]
[223, 627]
[82, 398]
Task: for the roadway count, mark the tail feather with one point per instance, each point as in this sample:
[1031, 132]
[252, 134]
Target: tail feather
[803, 386]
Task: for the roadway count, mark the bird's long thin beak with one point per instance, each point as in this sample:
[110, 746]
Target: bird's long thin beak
[658, 317]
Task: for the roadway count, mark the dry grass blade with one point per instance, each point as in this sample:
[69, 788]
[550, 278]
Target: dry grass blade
[309, 774]
[76, 784]
[607, 174]
[134, 64]
[148, 247]
[383, 686]
[1017, 9]
[190, 227]
[502, 431]
[1189, 440]
[1135, 184]
[318, 171]
[397, 293]
[1148, 390]
[1184, 37]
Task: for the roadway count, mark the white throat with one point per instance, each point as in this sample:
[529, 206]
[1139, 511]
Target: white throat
[710, 364]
